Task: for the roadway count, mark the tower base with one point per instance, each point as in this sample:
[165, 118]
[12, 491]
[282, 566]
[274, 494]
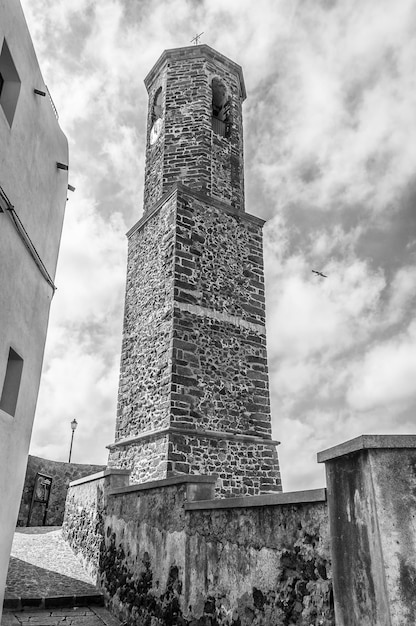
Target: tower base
[243, 465]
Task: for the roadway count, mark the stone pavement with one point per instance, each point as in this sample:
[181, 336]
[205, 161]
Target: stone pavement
[77, 616]
[47, 585]
[42, 565]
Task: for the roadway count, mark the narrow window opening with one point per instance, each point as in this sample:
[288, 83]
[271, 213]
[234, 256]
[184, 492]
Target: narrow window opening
[157, 122]
[9, 83]
[220, 109]
[8, 400]
[157, 106]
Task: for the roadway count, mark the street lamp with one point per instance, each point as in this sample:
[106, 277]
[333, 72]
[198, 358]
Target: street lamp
[74, 424]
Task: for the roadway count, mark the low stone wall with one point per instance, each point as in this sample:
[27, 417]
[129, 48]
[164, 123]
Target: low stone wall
[85, 511]
[262, 561]
[62, 474]
[166, 553]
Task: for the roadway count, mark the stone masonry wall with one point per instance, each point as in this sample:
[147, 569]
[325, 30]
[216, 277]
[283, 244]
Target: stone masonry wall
[83, 525]
[219, 258]
[194, 353]
[62, 474]
[188, 150]
[153, 179]
[188, 136]
[267, 565]
[145, 370]
[148, 459]
[242, 467]
[227, 388]
[85, 511]
[220, 373]
[163, 561]
[227, 153]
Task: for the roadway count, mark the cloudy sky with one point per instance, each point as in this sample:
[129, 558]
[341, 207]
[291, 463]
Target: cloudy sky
[330, 163]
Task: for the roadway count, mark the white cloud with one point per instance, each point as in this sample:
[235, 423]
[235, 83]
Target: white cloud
[387, 373]
[77, 385]
[82, 352]
[91, 268]
[330, 144]
[308, 314]
[402, 292]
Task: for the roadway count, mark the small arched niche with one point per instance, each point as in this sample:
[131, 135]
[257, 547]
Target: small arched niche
[220, 108]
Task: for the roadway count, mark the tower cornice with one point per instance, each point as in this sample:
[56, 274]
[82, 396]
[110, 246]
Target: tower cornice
[189, 52]
[183, 189]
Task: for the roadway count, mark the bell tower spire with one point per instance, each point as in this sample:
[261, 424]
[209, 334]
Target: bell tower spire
[194, 392]
[194, 125]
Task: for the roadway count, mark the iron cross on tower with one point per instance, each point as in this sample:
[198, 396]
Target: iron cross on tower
[196, 38]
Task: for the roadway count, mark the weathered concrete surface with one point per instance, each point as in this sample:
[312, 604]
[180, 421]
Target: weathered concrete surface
[165, 560]
[62, 474]
[372, 512]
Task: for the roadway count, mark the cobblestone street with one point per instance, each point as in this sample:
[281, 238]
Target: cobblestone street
[47, 585]
[78, 616]
[43, 565]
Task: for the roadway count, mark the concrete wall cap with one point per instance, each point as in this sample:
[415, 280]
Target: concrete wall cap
[272, 499]
[99, 475]
[166, 482]
[40, 460]
[367, 442]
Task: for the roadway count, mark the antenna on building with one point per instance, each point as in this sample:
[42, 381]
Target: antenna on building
[196, 38]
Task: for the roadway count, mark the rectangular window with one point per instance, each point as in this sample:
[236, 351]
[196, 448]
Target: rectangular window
[11, 384]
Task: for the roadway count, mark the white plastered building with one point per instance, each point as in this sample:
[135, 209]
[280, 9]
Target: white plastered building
[33, 191]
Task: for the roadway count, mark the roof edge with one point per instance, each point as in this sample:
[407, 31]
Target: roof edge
[202, 50]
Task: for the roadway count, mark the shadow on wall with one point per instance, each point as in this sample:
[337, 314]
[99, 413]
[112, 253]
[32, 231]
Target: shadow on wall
[45, 488]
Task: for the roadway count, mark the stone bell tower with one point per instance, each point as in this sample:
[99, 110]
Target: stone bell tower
[193, 394]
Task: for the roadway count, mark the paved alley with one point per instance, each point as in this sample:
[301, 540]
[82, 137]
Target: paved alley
[43, 565]
[47, 585]
[76, 616]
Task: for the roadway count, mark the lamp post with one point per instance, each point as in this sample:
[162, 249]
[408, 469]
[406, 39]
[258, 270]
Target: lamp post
[74, 424]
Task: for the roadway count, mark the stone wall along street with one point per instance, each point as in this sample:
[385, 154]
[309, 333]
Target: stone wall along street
[62, 474]
[167, 553]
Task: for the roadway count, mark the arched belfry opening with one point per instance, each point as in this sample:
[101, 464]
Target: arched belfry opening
[220, 108]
